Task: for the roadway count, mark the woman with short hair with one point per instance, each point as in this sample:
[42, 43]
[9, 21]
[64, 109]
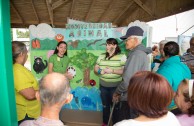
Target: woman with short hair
[149, 94]
[25, 85]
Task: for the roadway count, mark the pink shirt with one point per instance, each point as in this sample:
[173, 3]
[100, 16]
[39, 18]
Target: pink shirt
[41, 121]
[185, 120]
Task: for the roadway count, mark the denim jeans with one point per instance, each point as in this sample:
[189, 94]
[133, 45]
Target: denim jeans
[125, 112]
[106, 96]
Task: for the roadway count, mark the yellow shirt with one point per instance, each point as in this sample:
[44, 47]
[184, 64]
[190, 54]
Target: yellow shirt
[23, 78]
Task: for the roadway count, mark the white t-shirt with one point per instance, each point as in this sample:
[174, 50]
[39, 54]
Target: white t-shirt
[169, 120]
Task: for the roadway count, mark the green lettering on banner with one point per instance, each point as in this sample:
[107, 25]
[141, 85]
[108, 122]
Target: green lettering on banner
[84, 33]
[71, 34]
[99, 33]
[89, 31]
[105, 33]
[79, 33]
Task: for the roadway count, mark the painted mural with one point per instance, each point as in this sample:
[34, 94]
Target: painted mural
[85, 43]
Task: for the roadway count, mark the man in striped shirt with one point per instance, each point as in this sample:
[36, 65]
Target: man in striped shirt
[188, 58]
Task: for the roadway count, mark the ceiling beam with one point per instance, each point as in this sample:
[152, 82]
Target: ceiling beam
[50, 11]
[32, 1]
[119, 16]
[87, 16]
[18, 14]
[129, 17]
[144, 7]
[72, 8]
[108, 9]
[21, 25]
[58, 3]
[36, 22]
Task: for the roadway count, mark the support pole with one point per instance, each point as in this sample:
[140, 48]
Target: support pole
[7, 98]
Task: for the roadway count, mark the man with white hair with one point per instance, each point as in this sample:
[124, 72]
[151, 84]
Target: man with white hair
[53, 94]
[137, 60]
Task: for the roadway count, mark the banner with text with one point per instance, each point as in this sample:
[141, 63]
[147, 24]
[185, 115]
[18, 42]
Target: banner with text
[88, 31]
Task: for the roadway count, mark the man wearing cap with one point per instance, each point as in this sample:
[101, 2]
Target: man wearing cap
[137, 60]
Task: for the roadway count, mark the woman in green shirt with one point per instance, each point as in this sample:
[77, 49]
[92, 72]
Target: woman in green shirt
[59, 61]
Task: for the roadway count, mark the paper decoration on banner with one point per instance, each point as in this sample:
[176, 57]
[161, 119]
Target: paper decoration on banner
[59, 37]
[36, 44]
[71, 70]
[138, 23]
[42, 31]
[39, 66]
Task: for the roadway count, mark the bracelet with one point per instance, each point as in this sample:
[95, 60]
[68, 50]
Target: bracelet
[99, 71]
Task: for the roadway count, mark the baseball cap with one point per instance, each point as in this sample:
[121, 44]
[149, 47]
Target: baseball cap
[134, 30]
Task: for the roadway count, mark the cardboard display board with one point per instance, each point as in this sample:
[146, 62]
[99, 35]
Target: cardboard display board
[86, 41]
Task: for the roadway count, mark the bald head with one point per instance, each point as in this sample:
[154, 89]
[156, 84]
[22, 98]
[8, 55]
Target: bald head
[54, 88]
[54, 80]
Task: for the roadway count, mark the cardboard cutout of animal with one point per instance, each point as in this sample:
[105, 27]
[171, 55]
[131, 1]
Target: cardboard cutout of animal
[71, 70]
[39, 66]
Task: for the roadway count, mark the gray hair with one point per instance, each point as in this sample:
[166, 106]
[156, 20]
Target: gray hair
[139, 38]
[53, 89]
[163, 42]
[17, 48]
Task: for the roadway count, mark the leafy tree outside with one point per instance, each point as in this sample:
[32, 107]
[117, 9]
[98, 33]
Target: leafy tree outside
[21, 34]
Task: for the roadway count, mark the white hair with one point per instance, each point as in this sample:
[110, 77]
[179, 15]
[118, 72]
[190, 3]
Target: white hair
[139, 38]
[51, 94]
[163, 42]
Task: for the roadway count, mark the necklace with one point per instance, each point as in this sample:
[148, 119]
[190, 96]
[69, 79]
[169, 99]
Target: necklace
[60, 56]
[60, 59]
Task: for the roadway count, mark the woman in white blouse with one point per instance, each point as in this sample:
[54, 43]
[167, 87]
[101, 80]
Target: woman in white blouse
[150, 94]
